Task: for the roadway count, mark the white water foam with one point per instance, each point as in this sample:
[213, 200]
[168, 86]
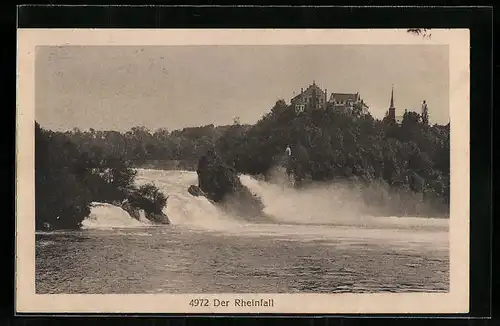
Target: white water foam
[325, 204]
[306, 215]
[107, 216]
[182, 208]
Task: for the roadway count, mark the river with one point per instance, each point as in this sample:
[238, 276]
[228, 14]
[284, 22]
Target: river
[311, 245]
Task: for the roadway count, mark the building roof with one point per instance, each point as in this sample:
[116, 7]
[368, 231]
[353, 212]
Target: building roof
[344, 97]
[309, 89]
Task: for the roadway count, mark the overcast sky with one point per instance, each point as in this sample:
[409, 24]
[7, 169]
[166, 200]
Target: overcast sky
[118, 87]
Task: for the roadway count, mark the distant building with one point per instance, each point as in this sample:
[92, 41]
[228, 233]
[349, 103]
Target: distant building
[391, 112]
[313, 98]
[347, 102]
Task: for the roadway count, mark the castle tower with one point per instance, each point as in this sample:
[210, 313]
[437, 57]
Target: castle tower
[392, 110]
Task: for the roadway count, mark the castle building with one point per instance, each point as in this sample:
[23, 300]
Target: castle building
[312, 98]
[346, 102]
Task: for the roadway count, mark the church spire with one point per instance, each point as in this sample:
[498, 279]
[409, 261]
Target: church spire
[391, 114]
[392, 97]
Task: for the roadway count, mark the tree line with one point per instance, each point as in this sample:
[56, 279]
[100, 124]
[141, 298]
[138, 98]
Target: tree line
[146, 148]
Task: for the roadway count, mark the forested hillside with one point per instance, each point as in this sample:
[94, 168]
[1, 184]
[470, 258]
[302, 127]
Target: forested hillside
[330, 145]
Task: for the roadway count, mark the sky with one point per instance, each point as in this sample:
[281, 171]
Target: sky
[172, 87]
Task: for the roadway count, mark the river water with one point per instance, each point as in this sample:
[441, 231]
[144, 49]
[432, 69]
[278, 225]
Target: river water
[311, 245]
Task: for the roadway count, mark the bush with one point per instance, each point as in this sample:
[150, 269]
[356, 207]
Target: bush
[149, 198]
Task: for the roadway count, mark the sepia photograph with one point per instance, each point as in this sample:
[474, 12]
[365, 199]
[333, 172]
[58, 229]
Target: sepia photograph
[242, 174]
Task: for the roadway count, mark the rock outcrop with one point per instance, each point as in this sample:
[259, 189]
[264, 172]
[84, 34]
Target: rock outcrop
[157, 217]
[195, 191]
[215, 178]
[221, 184]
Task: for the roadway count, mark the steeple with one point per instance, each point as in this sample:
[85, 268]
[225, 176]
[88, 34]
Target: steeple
[392, 97]
[391, 114]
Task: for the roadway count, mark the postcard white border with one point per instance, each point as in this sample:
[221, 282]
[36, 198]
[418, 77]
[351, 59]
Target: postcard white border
[456, 301]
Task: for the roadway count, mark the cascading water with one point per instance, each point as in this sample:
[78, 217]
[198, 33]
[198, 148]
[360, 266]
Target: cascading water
[105, 216]
[311, 213]
[320, 204]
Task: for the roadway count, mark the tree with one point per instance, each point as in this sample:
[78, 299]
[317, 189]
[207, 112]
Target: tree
[61, 198]
[279, 107]
[424, 32]
[425, 114]
[149, 198]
